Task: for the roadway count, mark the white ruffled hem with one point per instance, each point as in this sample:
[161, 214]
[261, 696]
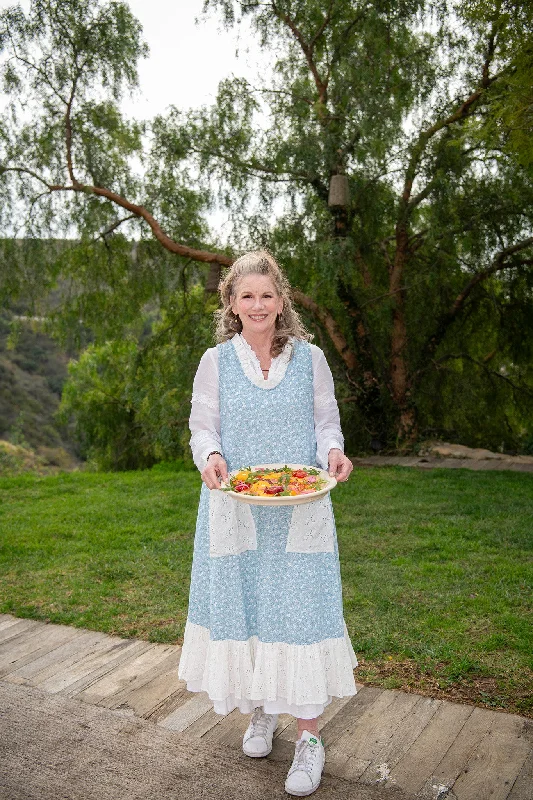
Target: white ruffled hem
[300, 680]
[228, 705]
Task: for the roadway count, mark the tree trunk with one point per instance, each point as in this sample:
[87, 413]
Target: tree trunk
[400, 379]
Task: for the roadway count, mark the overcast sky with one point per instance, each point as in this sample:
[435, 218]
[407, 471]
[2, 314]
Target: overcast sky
[187, 60]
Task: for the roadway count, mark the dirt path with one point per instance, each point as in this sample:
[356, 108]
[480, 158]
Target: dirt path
[57, 748]
[433, 462]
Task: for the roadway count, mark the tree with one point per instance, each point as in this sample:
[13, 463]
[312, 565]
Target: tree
[129, 398]
[435, 223]
[396, 138]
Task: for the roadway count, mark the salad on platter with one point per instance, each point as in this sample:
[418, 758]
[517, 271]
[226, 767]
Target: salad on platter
[279, 481]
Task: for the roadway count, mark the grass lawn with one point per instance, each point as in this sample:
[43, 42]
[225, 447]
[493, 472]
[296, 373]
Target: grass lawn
[437, 568]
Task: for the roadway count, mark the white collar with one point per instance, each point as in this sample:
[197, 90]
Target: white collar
[252, 367]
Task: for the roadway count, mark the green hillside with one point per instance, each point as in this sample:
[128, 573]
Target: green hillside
[33, 369]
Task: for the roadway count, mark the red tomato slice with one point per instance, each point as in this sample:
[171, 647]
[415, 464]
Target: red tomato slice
[273, 489]
[241, 487]
[299, 473]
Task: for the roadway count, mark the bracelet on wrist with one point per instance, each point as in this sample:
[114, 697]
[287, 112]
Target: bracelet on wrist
[213, 453]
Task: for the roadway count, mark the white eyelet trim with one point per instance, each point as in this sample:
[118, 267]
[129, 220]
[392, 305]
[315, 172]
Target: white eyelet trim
[325, 400]
[283, 678]
[312, 529]
[252, 367]
[205, 400]
[231, 526]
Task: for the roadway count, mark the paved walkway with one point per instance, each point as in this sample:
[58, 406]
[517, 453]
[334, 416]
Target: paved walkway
[433, 462]
[86, 715]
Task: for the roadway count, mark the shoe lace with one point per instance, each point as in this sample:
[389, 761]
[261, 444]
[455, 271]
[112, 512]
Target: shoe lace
[304, 756]
[260, 723]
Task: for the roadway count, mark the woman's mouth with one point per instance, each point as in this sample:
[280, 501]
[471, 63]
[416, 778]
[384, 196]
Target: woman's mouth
[258, 317]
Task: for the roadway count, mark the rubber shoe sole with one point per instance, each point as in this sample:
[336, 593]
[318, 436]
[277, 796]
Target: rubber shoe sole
[256, 755]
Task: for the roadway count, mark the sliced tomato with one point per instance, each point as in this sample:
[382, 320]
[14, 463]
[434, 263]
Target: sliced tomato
[299, 473]
[273, 489]
[241, 487]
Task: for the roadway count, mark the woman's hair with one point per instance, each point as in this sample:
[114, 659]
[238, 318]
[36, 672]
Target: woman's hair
[288, 323]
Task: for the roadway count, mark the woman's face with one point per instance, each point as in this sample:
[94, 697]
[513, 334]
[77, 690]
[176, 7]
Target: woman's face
[257, 303]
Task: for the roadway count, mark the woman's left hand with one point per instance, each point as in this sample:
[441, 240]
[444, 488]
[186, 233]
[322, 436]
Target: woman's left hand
[339, 465]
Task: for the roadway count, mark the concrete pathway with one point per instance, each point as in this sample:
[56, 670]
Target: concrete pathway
[433, 462]
[89, 715]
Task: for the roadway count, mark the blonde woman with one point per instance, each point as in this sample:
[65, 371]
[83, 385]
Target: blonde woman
[265, 631]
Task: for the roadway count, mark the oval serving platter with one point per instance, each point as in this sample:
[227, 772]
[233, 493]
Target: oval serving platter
[276, 500]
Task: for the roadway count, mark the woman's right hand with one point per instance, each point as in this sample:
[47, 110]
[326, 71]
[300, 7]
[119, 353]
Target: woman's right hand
[215, 470]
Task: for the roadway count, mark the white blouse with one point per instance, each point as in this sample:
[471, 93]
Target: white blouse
[204, 421]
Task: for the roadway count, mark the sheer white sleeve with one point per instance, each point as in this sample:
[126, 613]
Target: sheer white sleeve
[327, 421]
[204, 421]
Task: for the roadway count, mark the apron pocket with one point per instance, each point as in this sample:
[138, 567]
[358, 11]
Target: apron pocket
[231, 526]
[312, 528]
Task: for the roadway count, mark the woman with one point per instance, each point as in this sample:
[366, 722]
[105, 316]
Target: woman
[265, 630]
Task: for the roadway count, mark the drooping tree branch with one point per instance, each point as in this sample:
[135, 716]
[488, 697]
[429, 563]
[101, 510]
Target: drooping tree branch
[464, 110]
[68, 132]
[335, 56]
[34, 68]
[113, 227]
[498, 263]
[482, 364]
[136, 210]
[308, 48]
[168, 243]
[254, 166]
[204, 256]
[335, 334]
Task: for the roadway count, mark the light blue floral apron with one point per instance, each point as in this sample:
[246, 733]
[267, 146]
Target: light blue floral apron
[265, 583]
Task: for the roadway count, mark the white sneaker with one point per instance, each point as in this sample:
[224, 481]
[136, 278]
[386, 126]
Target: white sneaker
[306, 770]
[257, 741]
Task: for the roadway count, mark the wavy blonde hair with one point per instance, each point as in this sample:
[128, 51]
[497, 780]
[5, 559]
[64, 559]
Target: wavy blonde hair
[288, 323]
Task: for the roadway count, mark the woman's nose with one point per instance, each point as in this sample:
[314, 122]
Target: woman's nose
[258, 302]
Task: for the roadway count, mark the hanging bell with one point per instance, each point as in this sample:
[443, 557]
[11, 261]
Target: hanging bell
[339, 192]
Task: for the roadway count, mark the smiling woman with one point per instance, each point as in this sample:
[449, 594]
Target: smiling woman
[253, 639]
[257, 305]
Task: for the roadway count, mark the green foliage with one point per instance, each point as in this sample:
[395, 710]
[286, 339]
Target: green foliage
[70, 63]
[97, 397]
[129, 400]
[424, 107]
[430, 122]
